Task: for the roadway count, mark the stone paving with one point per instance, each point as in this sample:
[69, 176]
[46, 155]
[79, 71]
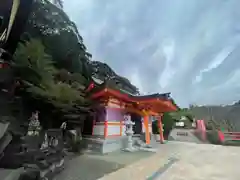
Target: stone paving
[93, 166]
[173, 161]
[193, 162]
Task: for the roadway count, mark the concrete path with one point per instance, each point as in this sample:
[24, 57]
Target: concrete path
[184, 161]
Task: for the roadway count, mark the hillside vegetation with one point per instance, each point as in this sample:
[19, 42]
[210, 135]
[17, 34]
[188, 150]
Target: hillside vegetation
[52, 68]
[222, 117]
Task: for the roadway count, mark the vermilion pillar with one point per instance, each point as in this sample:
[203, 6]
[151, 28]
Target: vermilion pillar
[160, 126]
[121, 127]
[147, 134]
[105, 129]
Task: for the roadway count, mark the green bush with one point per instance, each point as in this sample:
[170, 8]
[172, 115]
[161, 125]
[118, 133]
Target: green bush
[212, 137]
[168, 123]
[155, 129]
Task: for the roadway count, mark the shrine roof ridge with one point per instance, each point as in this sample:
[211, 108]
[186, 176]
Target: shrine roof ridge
[153, 96]
[108, 90]
[122, 94]
[105, 86]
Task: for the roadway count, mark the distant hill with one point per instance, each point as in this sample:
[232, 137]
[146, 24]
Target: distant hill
[229, 114]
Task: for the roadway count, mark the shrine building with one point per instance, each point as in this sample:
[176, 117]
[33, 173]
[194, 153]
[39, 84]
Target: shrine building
[111, 107]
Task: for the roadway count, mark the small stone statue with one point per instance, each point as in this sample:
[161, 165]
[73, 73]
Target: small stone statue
[34, 126]
[63, 127]
[45, 142]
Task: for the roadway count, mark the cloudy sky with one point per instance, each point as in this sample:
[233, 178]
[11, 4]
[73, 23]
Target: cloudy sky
[190, 48]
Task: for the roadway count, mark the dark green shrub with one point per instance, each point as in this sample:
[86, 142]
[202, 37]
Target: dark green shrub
[212, 137]
[155, 129]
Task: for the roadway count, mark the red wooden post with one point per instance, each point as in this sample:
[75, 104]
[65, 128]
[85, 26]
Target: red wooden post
[147, 134]
[160, 126]
[105, 129]
[121, 127]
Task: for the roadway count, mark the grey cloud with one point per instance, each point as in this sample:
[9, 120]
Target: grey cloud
[166, 45]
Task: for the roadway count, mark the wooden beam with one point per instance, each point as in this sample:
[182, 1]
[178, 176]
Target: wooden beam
[134, 110]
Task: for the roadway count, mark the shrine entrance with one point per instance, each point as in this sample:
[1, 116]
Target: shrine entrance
[137, 119]
[88, 125]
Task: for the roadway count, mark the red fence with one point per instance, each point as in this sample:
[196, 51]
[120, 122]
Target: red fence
[223, 137]
[228, 136]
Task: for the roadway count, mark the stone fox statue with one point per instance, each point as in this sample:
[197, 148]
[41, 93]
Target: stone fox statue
[13, 17]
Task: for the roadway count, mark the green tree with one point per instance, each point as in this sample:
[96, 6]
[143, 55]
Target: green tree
[36, 70]
[32, 64]
[168, 122]
[63, 42]
[184, 112]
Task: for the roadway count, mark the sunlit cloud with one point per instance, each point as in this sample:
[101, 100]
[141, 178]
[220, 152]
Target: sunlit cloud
[217, 61]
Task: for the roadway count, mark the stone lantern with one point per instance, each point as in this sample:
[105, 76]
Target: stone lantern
[129, 132]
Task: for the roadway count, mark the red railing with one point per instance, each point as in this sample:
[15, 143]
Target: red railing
[228, 136]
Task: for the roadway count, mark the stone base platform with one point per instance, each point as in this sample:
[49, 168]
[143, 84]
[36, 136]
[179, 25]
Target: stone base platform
[97, 144]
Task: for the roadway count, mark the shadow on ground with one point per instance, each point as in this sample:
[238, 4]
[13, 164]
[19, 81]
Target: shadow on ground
[93, 166]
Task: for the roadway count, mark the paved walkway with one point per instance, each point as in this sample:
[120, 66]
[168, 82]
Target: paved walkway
[92, 167]
[184, 161]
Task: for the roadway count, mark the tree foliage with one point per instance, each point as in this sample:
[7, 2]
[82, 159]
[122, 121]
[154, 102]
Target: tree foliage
[53, 64]
[184, 112]
[60, 37]
[168, 122]
[63, 42]
[170, 118]
[36, 70]
[32, 64]
[219, 117]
